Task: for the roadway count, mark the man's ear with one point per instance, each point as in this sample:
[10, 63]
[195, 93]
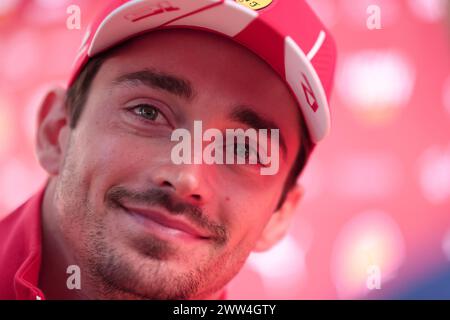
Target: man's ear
[280, 221]
[52, 130]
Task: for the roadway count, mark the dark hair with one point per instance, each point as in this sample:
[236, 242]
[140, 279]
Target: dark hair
[78, 93]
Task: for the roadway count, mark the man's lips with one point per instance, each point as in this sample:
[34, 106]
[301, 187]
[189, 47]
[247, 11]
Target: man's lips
[173, 225]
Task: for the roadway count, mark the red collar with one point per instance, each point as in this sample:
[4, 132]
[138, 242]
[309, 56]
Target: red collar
[20, 251]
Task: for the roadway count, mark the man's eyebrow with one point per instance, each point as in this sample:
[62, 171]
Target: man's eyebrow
[158, 80]
[247, 116]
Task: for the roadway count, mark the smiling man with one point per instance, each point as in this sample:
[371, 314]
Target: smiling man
[138, 225]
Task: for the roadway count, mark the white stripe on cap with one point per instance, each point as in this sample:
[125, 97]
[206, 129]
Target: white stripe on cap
[317, 45]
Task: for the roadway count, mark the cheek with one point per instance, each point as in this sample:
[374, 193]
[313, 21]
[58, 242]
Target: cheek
[248, 212]
[114, 157]
[93, 166]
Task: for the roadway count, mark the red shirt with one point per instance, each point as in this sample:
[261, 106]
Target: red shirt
[20, 251]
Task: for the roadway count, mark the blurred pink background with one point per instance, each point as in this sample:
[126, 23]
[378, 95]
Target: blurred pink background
[377, 202]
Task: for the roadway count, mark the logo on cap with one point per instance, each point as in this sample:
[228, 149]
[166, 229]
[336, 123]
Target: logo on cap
[151, 9]
[309, 94]
[255, 4]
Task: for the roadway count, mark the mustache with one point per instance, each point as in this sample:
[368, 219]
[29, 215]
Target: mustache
[162, 198]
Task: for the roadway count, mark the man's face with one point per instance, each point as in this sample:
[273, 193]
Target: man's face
[122, 202]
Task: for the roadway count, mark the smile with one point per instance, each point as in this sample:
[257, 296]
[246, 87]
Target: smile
[165, 225]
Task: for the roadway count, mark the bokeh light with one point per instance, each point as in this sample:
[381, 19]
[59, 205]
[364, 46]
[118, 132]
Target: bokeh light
[375, 84]
[370, 240]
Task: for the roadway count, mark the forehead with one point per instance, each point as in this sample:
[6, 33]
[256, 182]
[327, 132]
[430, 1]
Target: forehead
[218, 69]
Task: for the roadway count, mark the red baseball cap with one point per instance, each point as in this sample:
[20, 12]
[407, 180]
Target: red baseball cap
[285, 33]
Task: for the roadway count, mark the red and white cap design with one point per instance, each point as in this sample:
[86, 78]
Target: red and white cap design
[285, 33]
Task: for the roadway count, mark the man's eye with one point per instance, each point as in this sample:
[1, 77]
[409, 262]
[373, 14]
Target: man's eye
[149, 112]
[242, 150]
[245, 152]
[146, 111]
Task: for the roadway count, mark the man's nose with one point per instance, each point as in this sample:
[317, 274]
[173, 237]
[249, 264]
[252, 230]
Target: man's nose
[187, 181]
